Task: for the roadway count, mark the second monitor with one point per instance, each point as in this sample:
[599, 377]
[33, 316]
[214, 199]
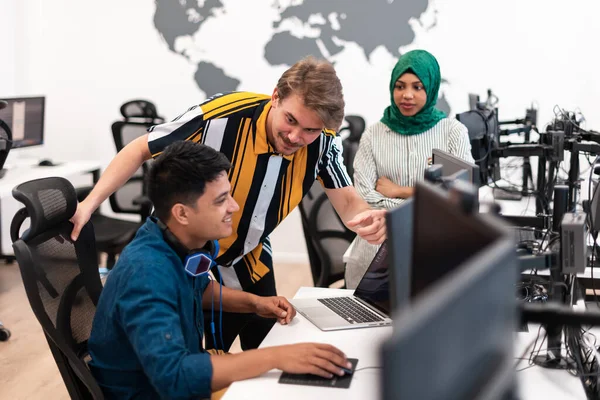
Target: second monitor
[453, 332]
[25, 118]
[452, 165]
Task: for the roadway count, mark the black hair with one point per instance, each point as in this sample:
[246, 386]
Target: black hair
[179, 175]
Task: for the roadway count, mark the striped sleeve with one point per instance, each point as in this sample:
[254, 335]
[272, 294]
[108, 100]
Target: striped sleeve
[332, 171]
[365, 175]
[459, 144]
[187, 126]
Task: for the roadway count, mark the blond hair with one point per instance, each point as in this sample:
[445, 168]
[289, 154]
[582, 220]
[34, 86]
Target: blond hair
[316, 82]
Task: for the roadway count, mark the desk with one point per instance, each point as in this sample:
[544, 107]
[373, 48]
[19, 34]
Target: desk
[543, 383]
[355, 343]
[534, 383]
[23, 173]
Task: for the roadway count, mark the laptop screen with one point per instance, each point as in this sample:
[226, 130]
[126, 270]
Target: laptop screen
[374, 287]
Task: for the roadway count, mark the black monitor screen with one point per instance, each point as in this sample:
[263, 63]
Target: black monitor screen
[25, 117]
[461, 332]
[374, 287]
[451, 165]
[443, 238]
[399, 223]
[595, 209]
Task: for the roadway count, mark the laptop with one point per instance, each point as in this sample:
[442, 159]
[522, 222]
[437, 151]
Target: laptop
[369, 305]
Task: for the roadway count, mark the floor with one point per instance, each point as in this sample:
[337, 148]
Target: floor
[27, 369]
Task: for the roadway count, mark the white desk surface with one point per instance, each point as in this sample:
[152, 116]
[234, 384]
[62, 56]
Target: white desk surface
[17, 174]
[355, 343]
[534, 382]
[22, 173]
[543, 383]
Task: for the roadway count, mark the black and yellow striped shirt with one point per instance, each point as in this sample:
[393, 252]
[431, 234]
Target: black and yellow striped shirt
[266, 185]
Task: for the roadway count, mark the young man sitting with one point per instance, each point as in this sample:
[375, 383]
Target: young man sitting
[146, 340]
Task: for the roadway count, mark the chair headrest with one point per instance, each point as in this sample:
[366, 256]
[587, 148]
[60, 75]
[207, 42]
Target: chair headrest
[356, 126]
[140, 109]
[49, 202]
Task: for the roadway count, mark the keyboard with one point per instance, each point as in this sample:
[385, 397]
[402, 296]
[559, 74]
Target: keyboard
[350, 310]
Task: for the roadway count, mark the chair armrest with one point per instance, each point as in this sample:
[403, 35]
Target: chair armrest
[17, 221]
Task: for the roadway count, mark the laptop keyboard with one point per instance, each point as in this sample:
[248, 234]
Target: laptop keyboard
[350, 310]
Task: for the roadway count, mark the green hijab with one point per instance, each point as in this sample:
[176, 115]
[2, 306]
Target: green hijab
[426, 68]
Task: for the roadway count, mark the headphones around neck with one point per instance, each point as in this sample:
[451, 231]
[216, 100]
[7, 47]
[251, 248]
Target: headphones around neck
[196, 261]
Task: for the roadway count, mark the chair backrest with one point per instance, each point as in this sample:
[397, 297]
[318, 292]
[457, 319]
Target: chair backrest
[327, 238]
[355, 127]
[5, 141]
[138, 116]
[61, 277]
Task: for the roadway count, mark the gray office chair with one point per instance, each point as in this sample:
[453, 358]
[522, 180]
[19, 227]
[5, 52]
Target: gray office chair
[5, 145]
[60, 276]
[351, 133]
[113, 234]
[138, 116]
[327, 238]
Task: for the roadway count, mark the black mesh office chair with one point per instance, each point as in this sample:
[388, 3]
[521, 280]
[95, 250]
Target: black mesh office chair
[351, 133]
[113, 234]
[327, 238]
[61, 278]
[5, 140]
[5, 145]
[138, 116]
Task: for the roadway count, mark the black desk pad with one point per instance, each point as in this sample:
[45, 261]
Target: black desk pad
[341, 382]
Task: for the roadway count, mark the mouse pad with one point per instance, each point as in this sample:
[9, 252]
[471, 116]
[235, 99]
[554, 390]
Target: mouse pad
[342, 382]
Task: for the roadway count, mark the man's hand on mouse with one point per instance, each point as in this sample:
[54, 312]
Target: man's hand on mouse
[311, 358]
[275, 307]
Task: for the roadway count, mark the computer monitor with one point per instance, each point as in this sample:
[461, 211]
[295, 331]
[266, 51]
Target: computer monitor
[25, 117]
[399, 222]
[452, 165]
[484, 134]
[444, 236]
[595, 209]
[454, 340]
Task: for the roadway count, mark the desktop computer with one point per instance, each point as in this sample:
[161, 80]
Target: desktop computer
[25, 117]
[399, 223]
[453, 337]
[401, 227]
[5, 140]
[444, 236]
[452, 165]
[22, 123]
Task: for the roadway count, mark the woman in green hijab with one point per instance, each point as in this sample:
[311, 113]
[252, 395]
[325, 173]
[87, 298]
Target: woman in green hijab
[394, 153]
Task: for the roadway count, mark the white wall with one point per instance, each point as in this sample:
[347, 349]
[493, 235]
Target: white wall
[90, 57]
[8, 57]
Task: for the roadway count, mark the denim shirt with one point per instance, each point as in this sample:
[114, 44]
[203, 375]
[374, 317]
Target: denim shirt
[146, 339]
